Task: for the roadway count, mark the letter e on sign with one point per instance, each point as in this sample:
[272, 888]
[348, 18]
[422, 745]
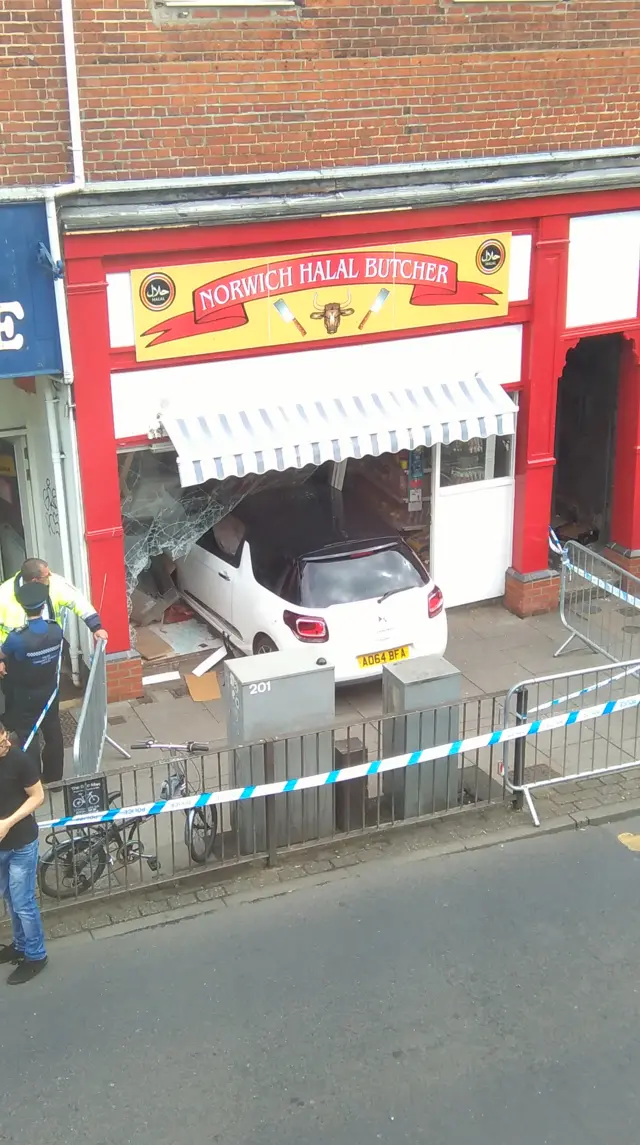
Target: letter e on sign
[10, 313]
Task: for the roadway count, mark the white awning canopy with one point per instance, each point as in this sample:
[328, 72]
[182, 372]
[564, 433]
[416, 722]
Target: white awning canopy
[316, 408]
[276, 411]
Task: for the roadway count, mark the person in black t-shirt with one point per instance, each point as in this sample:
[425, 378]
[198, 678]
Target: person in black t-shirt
[21, 793]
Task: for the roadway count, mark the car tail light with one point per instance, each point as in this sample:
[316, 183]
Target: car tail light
[435, 602]
[311, 629]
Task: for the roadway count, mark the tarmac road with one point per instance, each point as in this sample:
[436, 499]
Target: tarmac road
[485, 998]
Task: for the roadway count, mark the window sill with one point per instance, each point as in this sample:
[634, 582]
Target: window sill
[468, 487]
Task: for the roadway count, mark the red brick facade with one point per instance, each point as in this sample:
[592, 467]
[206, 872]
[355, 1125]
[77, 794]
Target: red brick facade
[324, 84]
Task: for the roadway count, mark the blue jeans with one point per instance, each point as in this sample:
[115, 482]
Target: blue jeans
[18, 870]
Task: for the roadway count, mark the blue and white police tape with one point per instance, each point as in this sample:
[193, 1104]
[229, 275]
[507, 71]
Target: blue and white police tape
[633, 671]
[555, 544]
[360, 770]
[36, 727]
[613, 589]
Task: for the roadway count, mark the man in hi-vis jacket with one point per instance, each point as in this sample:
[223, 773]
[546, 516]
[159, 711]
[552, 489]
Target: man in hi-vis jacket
[62, 597]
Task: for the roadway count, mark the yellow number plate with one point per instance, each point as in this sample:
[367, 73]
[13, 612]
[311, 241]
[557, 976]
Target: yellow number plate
[388, 657]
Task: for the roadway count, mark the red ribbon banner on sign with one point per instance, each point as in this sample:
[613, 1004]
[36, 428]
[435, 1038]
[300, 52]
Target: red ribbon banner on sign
[220, 304]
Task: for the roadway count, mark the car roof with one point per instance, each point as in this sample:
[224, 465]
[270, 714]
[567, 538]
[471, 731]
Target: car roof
[304, 519]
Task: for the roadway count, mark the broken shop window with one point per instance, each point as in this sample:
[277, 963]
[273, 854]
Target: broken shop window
[162, 521]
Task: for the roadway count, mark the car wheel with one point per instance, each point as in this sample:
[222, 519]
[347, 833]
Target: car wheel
[263, 644]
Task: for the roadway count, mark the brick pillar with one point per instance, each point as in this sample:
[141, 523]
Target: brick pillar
[530, 585]
[124, 676]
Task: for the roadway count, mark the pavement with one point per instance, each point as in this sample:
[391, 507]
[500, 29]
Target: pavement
[485, 996]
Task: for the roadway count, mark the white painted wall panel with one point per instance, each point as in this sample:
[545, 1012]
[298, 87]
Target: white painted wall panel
[604, 267]
[120, 303]
[139, 395]
[520, 268]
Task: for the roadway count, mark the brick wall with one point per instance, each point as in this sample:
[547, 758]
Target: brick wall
[531, 594]
[330, 83]
[124, 677]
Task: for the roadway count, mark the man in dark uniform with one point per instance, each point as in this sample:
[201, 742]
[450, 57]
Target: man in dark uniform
[33, 655]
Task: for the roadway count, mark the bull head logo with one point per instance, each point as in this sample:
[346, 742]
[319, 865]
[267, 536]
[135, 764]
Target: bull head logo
[331, 313]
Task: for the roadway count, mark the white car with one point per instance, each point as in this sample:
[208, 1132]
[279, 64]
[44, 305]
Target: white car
[294, 566]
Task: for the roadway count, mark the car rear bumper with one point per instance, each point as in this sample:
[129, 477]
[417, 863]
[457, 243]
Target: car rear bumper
[348, 670]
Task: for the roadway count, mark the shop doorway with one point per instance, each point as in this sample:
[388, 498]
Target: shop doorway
[586, 416]
[16, 510]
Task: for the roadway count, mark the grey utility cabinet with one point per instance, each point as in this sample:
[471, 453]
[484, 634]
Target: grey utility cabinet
[423, 696]
[284, 695]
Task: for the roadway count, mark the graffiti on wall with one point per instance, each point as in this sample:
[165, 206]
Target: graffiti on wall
[50, 504]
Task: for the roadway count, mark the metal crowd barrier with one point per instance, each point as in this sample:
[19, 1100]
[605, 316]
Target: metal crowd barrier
[91, 731]
[599, 603]
[579, 749]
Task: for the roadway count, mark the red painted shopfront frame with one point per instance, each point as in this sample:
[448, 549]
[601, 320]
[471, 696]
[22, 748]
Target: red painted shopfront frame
[90, 257]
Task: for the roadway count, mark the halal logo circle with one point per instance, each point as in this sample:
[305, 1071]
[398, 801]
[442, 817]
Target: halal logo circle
[491, 256]
[157, 291]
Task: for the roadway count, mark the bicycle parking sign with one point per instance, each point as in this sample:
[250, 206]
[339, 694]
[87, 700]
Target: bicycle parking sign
[84, 796]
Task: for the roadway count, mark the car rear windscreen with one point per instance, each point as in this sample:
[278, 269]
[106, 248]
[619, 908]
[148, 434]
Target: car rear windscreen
[357, 576]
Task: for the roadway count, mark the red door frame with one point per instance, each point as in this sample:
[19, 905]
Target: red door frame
[90, 256]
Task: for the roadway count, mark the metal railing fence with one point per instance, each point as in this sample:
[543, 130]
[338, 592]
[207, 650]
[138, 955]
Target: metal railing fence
[89, 862]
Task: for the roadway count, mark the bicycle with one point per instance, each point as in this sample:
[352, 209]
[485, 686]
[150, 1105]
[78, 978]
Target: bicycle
[72, 867]
[201, 823]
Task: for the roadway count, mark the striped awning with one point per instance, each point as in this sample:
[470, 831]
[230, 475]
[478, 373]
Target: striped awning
[214, 442]
[218, 434]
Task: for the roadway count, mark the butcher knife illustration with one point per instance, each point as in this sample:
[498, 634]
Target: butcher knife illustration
[376, 305]
[288, 316]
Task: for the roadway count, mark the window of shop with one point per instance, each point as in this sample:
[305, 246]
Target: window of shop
[479, 459]
[398, 488]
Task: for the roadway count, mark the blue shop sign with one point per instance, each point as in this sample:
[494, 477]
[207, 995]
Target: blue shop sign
[29, 340]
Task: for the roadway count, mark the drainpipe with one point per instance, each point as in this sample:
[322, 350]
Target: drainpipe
[52, 398]
[52, 401]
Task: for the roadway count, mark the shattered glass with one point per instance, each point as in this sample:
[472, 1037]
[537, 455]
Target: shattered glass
[160, 517]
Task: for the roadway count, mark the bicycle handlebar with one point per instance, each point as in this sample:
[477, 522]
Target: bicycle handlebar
[190, 748]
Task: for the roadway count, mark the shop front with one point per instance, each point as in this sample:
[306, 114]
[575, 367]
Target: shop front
[412, 358]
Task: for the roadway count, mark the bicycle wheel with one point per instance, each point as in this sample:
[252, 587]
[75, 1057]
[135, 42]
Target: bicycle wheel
[71, 869]
[200, 830]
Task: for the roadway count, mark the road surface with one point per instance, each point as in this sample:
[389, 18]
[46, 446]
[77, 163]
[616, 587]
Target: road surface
[488, 998]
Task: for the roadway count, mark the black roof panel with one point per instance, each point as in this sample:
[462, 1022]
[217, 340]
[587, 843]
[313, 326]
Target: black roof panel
[302, 519]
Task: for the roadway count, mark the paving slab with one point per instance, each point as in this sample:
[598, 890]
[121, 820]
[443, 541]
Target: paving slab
[177, 720]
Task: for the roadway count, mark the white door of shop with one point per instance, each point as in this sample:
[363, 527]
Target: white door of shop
[472, 538]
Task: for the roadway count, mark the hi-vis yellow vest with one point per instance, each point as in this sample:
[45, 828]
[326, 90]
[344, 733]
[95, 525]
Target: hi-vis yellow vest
[63, 597]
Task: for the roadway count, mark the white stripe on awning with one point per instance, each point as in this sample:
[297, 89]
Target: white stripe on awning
[214, 442]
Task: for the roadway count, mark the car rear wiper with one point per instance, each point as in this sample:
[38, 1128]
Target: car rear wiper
[392, 592]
